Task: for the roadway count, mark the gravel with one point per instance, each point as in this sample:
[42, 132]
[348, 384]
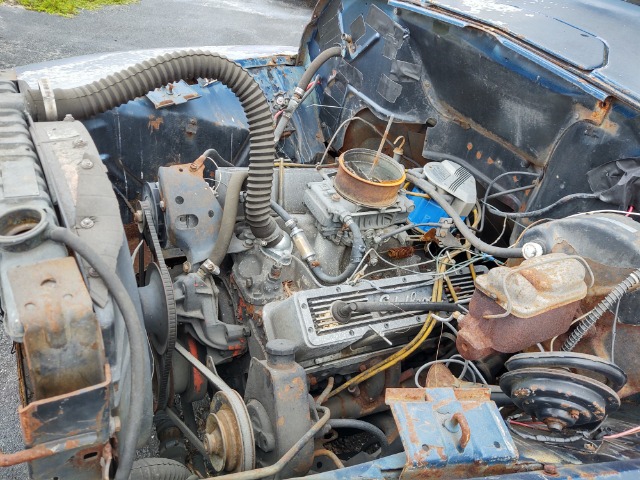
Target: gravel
[10, 438]
[28, 37]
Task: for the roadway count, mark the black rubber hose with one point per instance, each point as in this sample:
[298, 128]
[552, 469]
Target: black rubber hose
[137, 343]
[217, 158]
[298, 93]
[357, 251]
[315, 65]
[334, 280]
[281, 212]
[121, 87]
[365, 427]
[159, 469]
[229, 214]
[462, 227]
[404, 228]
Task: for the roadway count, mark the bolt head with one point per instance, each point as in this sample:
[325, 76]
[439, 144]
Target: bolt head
[87, 223]
[531, 250]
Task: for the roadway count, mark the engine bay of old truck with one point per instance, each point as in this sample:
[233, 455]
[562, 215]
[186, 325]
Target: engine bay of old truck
[409, 250]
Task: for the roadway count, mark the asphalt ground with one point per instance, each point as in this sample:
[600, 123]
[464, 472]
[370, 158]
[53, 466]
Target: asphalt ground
[32, 37]
[28, 37]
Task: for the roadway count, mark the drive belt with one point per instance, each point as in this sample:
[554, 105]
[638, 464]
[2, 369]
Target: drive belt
[165, 344]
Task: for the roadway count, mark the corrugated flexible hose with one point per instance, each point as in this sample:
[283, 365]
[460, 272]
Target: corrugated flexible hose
[121, 87]
[610, 300]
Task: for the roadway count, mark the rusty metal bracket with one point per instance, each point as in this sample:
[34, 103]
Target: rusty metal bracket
[173, 94]
[62, 342]
[67, 423]
[450, 430]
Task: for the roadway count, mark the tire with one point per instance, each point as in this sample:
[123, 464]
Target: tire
[158, 469]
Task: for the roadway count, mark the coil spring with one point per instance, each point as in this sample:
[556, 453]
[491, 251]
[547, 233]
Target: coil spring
[615, 295]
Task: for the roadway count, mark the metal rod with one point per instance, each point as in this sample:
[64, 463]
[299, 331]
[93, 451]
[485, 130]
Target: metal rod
[187, 432]
[329, 454]
[48, 449]
[511, 190]
[286, 458]
[384, 139]
[215, 380]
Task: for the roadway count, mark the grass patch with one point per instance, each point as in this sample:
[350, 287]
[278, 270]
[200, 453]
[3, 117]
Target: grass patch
[67, 8]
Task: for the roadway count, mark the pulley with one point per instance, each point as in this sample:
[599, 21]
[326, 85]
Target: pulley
[229, 436]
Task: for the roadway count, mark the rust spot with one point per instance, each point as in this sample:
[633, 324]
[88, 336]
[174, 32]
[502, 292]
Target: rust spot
[281, 421]
[199, 382]
[71, 444]
[600, 112]
[28, 455]
[478, 154]
[400, 252]
[469, 146]
[490, 161]
[429, 235]
[154, 123]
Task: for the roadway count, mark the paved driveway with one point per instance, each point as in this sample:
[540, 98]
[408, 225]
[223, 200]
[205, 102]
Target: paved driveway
[30, 37]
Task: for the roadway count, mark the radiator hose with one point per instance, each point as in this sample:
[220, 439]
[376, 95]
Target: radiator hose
[121, 87]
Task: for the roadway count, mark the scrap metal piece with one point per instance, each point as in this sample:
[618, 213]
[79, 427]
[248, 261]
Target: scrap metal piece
[68, 423]
[66, 431]
[446, 429]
